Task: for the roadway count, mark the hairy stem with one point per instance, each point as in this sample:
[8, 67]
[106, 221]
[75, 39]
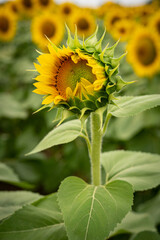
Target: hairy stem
[96, 135]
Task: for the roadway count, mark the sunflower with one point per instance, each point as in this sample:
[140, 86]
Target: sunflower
[13, 7]
[144, 52]
[7, 24]
[106, 7]
[49, 25]
[67, 9]
[143, 13]
[27, 7]
[73, 78]
[44, 4]
[84, 21]
[113, 17]
[155, 23]
[123, 29]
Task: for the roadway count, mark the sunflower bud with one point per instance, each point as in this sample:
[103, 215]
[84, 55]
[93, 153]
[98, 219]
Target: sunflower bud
[80, 77]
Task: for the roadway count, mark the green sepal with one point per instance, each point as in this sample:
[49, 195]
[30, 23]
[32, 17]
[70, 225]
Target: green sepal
[53, 45]
[115, 61]
[58, 115]
[65, 114]
[84, 115]
[51, 106]
[112, 71]
[101, 55]
[90, 105]
[92, 40]
[111, 88]
[98, 45]
[78, 103]
[95, 55]
[73, 43]
[110, 51]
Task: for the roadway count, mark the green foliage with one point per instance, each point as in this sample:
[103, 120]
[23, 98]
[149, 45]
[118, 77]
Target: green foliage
[139, 169]
[129, 106]
[9, 176]
[65, 133]
[146, 236]
[10, 107]
[151, 207]
[134, 223]
[13, 200]
[40, 220]
[88, 210]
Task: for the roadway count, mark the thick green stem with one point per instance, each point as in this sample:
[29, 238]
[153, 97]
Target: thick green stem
[96, 135]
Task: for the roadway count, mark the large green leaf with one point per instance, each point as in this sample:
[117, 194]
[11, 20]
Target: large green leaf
[139, 169]
[91, 212]
[9, 176]
[146, 235]
[10, 107]
[152, 208]
[129, 106]
[64, 133]
[134, 223]
[12, 201]
[40, 221]
[126, 128]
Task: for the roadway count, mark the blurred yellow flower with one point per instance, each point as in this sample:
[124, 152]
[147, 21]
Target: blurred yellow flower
[27, 7]
[113, 17]
[144, 52]
[123, 30]
[67, 9]
[44, 4]
[84, 21]
[7, 24]
[49, 25]
[13, 6]
[154, 23]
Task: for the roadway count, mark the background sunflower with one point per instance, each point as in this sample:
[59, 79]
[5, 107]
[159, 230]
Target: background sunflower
[144, 52]
[7, 24]
[84, 21]
[47, 25]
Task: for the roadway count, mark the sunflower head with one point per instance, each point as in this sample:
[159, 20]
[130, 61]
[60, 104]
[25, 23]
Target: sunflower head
[84, 21]
[7, 24]
[144, 52]
[80, 77]
[47, 25]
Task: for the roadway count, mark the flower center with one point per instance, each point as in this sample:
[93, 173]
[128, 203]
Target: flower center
[146, 51]
[48, 29]
[122, 30]
[115, 19]
[44, 2]
[4, 24]
[82, 24]
[158, 26]
[14, 8]
[66, 10]
[70, 73]
[27, 3]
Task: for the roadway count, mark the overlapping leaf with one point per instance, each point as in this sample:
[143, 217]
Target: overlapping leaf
[129, 106]
[13, 200]
[39, 221]
[91, 212]
[64, 133]
[134, 223]
[139, 169]
[9, 176]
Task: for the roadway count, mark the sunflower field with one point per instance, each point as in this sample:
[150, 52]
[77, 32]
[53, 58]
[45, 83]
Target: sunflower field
[71, 77]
